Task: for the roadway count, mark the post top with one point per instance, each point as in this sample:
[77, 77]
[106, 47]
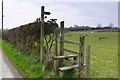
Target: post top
[42, 6]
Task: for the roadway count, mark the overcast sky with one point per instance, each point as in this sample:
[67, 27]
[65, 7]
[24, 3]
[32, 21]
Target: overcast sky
[74, 12]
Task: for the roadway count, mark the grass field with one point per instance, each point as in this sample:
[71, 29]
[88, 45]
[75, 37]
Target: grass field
[104, 52]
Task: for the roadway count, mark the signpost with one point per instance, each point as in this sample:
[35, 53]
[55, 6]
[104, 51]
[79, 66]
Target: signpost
[42, 32]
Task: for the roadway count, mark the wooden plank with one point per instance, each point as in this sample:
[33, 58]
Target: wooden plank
[88, 62]
[63, 57]
[71, 42]
[70, 67]
[68, 50]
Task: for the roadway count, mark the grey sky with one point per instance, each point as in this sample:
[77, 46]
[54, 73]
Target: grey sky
[20, 12]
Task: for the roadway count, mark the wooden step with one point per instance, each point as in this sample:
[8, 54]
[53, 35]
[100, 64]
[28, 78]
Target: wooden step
[63, 57]
[70, 67]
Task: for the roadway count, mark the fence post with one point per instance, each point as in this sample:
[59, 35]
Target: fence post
[61, 38]
[88, 62]
[82, 40]
[81, 55]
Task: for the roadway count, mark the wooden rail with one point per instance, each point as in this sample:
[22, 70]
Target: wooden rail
[63, 57]
[68, 50]
[71, 42]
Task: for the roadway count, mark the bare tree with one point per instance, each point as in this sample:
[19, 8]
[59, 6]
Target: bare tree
[49, 39]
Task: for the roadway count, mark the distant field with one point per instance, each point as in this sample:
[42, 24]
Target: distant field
[104, 52]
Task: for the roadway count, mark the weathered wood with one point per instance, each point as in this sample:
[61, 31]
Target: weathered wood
[68, 50]
[68, 67]
[88, 62]
[56, 66]
[62, 69]
[61, 73]
[82, 38]
[56, 42]
[79, 64]
[42, 34]
[61, 38]
[81, 55]
[71, 42]
[63, 57]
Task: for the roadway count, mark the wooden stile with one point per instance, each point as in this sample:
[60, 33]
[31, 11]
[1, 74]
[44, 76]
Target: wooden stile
[76, 63]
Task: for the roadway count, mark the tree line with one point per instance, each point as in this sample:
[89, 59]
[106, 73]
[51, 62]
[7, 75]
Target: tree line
[99, 26]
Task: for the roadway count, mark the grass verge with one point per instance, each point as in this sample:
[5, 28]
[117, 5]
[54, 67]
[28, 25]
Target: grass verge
[24, 63]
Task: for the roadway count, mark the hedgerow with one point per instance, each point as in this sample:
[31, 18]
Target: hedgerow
[27, 37]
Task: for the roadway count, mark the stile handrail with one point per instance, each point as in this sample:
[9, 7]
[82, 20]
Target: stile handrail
[71, 42]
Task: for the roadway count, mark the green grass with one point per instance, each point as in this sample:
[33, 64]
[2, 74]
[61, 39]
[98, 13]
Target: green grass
[104, 52]
[24, 63]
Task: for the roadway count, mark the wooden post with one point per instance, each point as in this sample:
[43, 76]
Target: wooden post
[56, 52]
[81, 55]
[61, 38]
[82, 50]
[56, 42]
[61, 74]
[88, 62]
[42, 34]
[56, 66]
